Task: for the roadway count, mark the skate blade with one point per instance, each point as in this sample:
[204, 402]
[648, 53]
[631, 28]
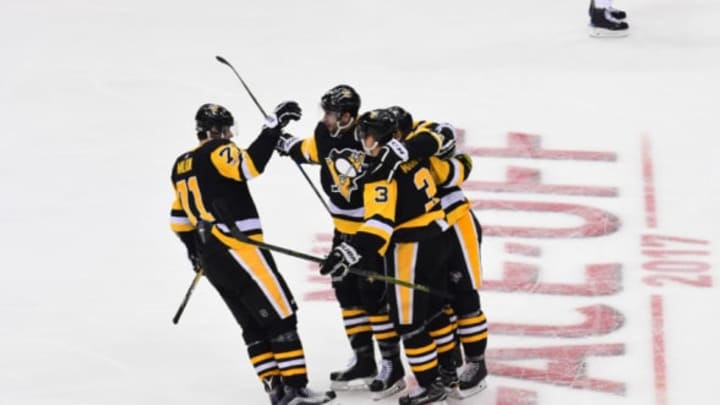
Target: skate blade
[467, 393]
[326, 401]
[596, 32]
[359, 384]
[391, 390]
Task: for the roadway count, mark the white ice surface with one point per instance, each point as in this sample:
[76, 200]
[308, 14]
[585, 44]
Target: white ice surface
[97, 99]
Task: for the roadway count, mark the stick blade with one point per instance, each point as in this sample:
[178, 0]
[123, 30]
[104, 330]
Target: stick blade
[222, 60]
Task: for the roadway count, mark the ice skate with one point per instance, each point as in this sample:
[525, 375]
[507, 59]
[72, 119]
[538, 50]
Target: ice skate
[450, 381]
[605, 22]
[390, 380]
[357, 376]
[617, 14]
[274, 388]
[433, 394]
[304, 396]
[472, 379]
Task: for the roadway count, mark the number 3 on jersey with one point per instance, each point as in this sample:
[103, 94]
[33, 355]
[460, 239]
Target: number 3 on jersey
[381, 194]
[196, 207]
[424, 180]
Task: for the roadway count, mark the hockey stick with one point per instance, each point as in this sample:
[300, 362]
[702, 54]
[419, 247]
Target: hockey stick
[257, 103]
[185, 300]
[370, 275]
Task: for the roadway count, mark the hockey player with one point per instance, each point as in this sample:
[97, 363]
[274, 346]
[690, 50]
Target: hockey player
[463, 260]
[404, 225]
[341, 159]
[419, 140]
[216, 172]
[606, 21]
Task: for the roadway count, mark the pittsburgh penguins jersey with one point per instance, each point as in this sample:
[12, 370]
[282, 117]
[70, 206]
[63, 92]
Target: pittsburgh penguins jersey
[405, 208]
[452, 198]
[341, 161]
[218, 170]
[424, 140]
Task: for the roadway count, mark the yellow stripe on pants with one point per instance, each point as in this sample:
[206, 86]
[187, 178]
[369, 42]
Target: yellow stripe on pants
[467, 234]
[254, 262]
[405, 255]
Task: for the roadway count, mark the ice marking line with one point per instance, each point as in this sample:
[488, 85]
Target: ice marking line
[522, 249]
[648, 184]
[658, 332]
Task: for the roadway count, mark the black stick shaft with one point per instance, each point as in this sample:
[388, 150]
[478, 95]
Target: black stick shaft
[312, 185]
[185, 300]
[257, 103]
[370, 275]
[252, 96]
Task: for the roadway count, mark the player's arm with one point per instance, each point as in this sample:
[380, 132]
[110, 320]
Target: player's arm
[242, 165]
[183, 228]
[379, 201]
[372, 239]
[179, 221]
[420, 144]
[302, 150]
[261, 149]
[233, 162]
[423, 144]
[451, 172]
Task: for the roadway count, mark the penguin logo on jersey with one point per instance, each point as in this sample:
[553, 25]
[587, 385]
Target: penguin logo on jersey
[345, 167]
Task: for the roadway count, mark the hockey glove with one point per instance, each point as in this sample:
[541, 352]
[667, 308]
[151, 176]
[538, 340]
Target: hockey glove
[189, 239]
[286, 143]
[338, 263]
[391, 156]
[283, 114]
[195, 260]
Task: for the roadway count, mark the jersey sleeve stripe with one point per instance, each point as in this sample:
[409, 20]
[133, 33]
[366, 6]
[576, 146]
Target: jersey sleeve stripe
[456, 179]
[247, 166]
[452, 198]
[181, 227]
[352, 213]
[245, 225]
[349, 227]
[380, 226]
[379, 229]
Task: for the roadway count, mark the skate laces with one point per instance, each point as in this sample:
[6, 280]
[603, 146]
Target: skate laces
[470, 371]
[385, 370]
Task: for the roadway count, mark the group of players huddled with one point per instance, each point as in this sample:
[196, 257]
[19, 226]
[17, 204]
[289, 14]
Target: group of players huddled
[393, 187]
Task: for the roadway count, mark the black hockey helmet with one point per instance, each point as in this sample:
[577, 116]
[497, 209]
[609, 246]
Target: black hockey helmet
[404, 119]
[213, 117]
[380, 123]
[341, 99]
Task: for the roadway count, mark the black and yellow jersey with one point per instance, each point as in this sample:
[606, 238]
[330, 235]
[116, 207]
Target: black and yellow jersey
[424, 140]
[218, 170]
[341, 161]
[406, 208]
[452, 198]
